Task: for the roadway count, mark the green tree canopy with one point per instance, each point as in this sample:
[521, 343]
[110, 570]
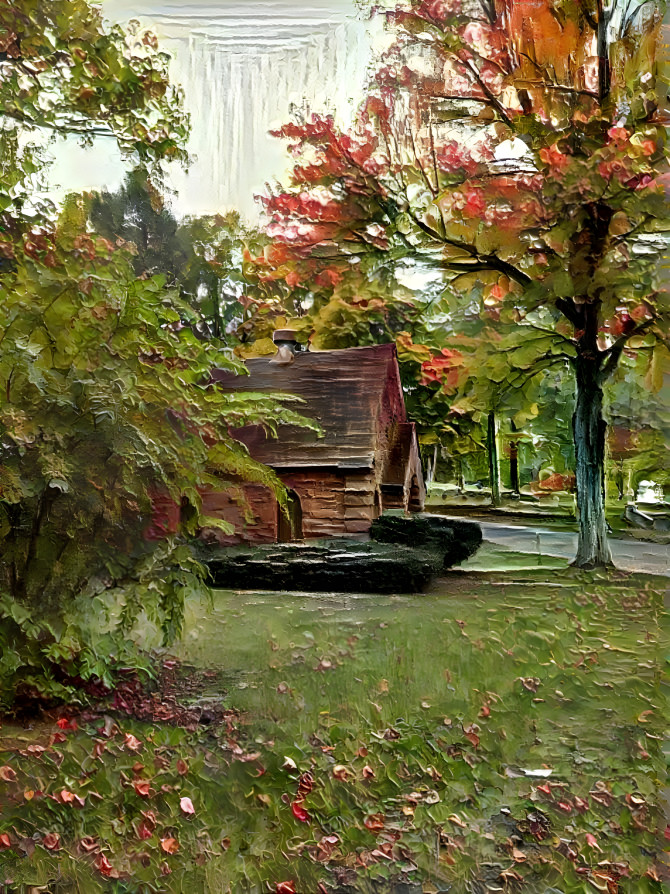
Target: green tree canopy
[522, 166]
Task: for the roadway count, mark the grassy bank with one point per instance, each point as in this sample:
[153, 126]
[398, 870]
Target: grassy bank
[501, 732]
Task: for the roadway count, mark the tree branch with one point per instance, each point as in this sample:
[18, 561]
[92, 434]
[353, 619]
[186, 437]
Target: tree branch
[615, 350]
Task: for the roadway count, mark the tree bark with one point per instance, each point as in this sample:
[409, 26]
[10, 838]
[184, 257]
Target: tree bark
[513, 461]
[494, 465]
[589, 429]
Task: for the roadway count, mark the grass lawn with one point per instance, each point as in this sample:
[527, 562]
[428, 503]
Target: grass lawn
[502, 732]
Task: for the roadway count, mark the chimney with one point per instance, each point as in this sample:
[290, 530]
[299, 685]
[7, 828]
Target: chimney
[287, 346]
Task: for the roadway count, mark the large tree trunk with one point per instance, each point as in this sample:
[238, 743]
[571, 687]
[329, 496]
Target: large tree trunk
[589, 434]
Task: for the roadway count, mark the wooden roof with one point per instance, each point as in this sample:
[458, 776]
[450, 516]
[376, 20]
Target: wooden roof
[352, 393]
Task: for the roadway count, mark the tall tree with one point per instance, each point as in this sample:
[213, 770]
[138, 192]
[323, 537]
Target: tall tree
[514, 149]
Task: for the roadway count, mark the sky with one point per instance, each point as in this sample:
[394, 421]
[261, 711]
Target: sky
[243, 65]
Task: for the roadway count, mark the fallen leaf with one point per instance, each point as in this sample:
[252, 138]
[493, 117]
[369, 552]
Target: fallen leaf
[7, 774]
[518, 856]
[88, 844]
[142, 787]
[225, 844]
[132, 742]
[51, 841]
[169, 845]
[5, 841]
[285, 888]
[186, 806]
[103, 865]
[144, 831]
[470, 733]
[374, 822]
[341, 772]
[368, 772]
[64, 723]
[592, 841]
[299, 812]
[510, 875]
[289, 764]
[182, 767]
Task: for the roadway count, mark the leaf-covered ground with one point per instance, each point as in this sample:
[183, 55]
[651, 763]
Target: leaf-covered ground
[502, 733]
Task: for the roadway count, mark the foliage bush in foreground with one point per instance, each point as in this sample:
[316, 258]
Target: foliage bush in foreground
[106, 408]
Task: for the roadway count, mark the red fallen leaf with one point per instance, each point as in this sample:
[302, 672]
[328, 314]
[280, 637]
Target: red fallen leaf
[132, 742]
[103, 865]
[165, 869]
[144, 831]
[592, 841]
[58, 737]
[7, 774]
[51, 841]
[88, 844]
[362, 751]
[285, 888]
[299, 812]
[182, 767]
[64, 723]
[142, 787]
[374, 822]
[564, 806]
[170, 845]
[5, 841]
[186, 806]
[581, 804]
[470, 733]
[545, 789]
[484, 711]
[368, 772]
[225, 844]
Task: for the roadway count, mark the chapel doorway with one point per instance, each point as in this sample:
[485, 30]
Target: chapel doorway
[289, 523]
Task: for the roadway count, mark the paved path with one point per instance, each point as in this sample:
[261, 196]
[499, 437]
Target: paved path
[629, 555]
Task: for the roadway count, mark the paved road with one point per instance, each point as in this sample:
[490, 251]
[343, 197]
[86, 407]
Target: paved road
[629, 555]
